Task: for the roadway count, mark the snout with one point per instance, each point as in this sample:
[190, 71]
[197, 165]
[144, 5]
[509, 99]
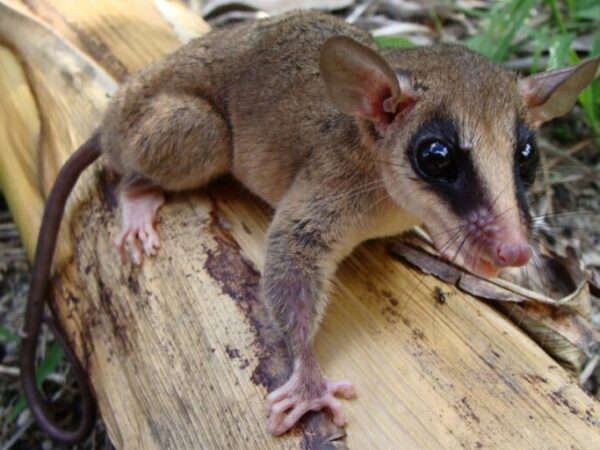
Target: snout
[492, 241]
[516, 253]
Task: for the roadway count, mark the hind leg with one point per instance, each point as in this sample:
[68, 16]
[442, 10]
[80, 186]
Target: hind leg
[140, 201]
[180, 143]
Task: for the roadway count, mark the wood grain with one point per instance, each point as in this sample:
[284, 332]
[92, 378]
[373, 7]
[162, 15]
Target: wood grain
[180, 352]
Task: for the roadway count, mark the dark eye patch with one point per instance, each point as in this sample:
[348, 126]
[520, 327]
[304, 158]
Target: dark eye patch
[440, 128]
[463, 191]
[526, 153]
[524, 170]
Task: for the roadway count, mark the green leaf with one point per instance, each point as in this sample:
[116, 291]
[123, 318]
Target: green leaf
[590, 98]
[471, 12]
[504, 21]
[589, 13]
[394, 41]
[54, 356]
[18, 408]
[559, 50]
[7, 334]
[507, 18]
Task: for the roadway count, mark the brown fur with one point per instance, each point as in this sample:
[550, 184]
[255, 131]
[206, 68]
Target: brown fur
[262, 113]
[250, 100]
[304, 111]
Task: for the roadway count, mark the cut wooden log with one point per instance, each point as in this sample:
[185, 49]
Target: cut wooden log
[180, 351]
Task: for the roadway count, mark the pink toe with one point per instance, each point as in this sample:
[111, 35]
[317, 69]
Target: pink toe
[293, 417]
[143, 236]
[277, 395]
[339, 418]
[282, 406]
[343, 388]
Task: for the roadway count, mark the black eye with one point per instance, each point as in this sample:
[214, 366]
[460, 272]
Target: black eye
[436, 160]
[527, 157]
[526, 154]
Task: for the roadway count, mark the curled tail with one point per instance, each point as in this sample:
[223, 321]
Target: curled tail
[40, 282]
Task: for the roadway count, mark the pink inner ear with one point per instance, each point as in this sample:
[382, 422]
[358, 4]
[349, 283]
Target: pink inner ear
[381, 105]
[361, 83]
[534, 91]
[395, 101]
[553, 93]
[376, 100]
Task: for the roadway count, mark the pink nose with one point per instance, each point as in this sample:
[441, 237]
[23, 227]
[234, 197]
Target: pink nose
[512, 254]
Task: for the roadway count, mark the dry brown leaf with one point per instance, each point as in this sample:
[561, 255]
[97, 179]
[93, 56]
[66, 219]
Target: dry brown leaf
[549, 298]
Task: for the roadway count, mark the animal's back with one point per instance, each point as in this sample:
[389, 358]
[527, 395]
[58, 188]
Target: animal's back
[257, 76]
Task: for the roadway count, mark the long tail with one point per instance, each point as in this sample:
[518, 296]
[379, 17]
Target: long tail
[40, 282]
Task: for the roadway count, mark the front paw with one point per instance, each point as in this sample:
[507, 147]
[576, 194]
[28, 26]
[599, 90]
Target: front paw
[287, 404]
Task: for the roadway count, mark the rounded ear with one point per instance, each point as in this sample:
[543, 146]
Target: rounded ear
[553, 93]
[360, 82]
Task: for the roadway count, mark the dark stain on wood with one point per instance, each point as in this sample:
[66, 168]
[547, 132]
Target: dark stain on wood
[466, 411]
[233, 353]
[389, 296]
[558, 398]
[592, 417]
[244, 363]
[119, 323]
[506, 377]
[184, 406]
[418, 334]
[83, 341]
[534, 378]
[133, 284]
[240, 279]
[391, 315]
[73, 299]
[322, 434]
[87, 40]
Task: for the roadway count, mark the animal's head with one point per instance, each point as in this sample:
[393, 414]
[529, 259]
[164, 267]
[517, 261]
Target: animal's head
[454, 136]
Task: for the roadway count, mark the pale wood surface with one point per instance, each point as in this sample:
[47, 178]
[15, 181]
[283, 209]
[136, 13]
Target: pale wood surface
[180, 352]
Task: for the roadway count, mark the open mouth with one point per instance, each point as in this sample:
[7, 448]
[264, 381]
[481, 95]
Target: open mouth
[483, 267]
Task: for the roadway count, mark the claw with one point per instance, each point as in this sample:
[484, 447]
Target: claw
[138, 236]
[344, 388]
[288, 403]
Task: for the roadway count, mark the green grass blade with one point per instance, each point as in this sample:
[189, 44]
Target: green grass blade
[560, 50]
[505, 20]
[394, 41]
[54, 356]
[7, 334]
[590, 98]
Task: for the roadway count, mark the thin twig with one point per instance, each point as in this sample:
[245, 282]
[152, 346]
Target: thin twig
[9, 370]
[570, 151]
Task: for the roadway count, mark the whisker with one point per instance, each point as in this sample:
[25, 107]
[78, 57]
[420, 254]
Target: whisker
[449, 230]
[360, 190]
[391, 163]
[460, 247]
[450, 241]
